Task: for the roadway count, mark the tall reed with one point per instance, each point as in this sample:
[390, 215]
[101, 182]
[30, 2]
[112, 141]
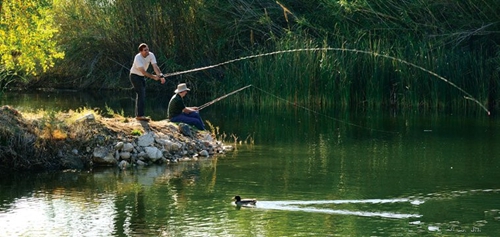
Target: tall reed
[337, 78]
[100, 38]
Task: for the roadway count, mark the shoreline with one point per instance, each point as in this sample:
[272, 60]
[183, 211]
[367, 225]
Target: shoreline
[84, 139]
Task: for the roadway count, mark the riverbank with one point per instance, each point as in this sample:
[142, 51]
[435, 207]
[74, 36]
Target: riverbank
[84, 139]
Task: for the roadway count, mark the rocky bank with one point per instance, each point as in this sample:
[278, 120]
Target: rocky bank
[58, 141]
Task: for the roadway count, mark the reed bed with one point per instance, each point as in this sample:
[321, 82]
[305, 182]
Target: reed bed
[459, 43]
[326, 78]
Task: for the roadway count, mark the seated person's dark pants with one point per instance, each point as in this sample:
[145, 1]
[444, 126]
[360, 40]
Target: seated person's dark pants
[191, 119]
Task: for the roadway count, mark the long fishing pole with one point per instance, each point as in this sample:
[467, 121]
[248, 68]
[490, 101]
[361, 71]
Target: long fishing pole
[221, 98]
[468, 96]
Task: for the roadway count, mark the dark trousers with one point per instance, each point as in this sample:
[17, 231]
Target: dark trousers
[139, 83]
[191, 119]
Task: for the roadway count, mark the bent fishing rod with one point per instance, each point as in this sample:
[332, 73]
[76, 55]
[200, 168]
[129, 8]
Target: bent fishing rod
[221, 98]
[467, 95]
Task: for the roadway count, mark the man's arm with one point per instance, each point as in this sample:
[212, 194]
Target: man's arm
[147, 74]
[159, 75]
[188, 110]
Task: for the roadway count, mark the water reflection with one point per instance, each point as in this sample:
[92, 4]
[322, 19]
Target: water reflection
[64, 214]
[368, 183]
[104, 202]
[175, 200]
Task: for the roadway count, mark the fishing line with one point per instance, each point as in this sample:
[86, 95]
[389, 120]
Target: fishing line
[292, 103]
[467, 95]
[321, 114]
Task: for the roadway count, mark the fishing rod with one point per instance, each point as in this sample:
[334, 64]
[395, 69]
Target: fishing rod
[222, 97]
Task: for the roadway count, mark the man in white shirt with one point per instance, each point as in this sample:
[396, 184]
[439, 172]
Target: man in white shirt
[138, 74]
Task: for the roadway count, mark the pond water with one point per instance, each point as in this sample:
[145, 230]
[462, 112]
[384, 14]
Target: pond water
[323, 173]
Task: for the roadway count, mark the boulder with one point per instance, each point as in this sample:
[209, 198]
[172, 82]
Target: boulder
[102, 156]
[125, 155]
[119, 145]
[204, 153]
[185, 130]
[154, 153]
[141, 163]
[146, 139]
[87, 117]
[128, 147]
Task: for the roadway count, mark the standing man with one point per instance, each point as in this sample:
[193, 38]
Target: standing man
[138, 74]
[178, 112]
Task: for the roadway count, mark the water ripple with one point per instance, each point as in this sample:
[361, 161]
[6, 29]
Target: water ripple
[296, 206]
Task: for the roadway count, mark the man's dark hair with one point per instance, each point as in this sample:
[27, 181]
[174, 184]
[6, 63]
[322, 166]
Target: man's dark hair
[141, 46]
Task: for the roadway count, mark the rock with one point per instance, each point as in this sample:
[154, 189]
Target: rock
[204, 153]
[170, 146]
[125, 155]
[173, 128]
[154, 153]
[185, 130]
[87, 117]
[128, 147]
[142, 154]
[141, 163]
[100, 138]
[146, 139]
[175, 147]
[119, 145]
[161, 141]
[100, 152]
[102, 156]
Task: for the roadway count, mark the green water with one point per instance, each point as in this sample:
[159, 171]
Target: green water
[336, 173]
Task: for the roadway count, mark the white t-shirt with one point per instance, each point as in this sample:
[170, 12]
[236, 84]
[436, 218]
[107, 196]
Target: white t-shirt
[140, 61]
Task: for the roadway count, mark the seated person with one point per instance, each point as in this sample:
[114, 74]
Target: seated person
[178, 112]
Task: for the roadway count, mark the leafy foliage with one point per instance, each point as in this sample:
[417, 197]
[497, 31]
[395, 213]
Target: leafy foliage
[27, 47]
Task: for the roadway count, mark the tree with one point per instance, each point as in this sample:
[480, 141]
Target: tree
[27, 47]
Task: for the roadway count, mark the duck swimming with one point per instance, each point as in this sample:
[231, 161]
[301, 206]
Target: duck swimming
[244, 202]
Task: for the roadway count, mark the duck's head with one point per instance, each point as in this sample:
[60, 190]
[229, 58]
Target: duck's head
[237, 198]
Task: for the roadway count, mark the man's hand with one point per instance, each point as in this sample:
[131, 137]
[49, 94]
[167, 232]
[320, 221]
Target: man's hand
[162, 78]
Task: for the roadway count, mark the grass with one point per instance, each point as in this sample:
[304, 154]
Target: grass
[216, 133]
[41, 140]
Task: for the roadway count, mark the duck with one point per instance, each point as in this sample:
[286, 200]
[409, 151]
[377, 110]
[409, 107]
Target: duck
[244, 202]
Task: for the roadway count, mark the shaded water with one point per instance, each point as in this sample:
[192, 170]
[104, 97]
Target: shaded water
[313, 176]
